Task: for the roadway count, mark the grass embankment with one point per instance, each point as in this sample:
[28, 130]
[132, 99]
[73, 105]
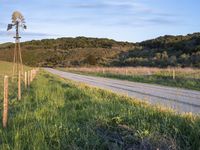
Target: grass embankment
[59, 114]
[187, 78]
[6, 69]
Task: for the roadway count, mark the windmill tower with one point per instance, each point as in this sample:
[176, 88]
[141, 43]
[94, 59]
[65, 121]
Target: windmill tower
[18, 22]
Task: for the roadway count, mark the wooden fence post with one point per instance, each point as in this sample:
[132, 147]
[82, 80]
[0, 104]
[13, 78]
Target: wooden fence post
[5, 102]
[25, 79]
[174, 74]
[19, 86]
[31, 76]
[28, 78]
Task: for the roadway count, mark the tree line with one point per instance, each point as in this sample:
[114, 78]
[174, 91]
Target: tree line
[180, 51]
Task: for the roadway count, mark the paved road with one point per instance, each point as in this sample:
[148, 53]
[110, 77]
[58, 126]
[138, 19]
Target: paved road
[176, 98]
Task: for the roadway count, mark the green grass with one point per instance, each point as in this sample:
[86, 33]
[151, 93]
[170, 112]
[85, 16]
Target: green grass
[6, 69]
[160, 78]
[59, 114]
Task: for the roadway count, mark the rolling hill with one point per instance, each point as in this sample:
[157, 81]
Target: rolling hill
[178, 51]
[181, 51]
[67, 51]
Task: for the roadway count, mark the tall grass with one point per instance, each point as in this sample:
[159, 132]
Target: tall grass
[187, 72]
[59, 114]
[184, 77]
[6, 69]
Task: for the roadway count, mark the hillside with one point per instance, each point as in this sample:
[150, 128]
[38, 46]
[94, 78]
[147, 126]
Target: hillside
[67, 51]
[182, 51]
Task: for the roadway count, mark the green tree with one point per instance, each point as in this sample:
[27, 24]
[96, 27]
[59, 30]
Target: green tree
[158, 56]
[91, 60]
[165, 55]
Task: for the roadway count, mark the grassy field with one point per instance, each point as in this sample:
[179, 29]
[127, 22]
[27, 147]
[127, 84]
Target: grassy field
[60, 114]
[184, 77]
[6, 69]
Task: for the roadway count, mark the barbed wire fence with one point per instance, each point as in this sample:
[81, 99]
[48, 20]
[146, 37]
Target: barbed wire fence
[12, 88]
[188, 78]
[171, 73]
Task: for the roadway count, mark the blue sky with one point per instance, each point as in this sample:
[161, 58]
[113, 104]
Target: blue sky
[124, 20]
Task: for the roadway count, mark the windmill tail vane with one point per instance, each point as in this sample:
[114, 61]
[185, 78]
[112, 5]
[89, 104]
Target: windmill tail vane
[9, 27]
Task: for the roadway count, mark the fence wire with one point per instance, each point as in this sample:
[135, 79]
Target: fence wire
[178, 77]
[12, 87]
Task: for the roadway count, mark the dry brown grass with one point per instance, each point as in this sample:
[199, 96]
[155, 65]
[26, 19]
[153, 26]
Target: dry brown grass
[182, 72]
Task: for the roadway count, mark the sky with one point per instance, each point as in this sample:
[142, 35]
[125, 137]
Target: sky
[122, 20]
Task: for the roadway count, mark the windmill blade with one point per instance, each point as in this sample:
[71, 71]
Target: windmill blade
[17, 17]
[24, 26]
[9, 27]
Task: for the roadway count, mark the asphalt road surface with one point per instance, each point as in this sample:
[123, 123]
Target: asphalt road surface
[179, 99]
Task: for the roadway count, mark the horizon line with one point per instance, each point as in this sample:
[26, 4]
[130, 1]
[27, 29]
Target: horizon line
[55, 38]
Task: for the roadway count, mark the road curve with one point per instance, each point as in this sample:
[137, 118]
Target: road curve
[181, 100]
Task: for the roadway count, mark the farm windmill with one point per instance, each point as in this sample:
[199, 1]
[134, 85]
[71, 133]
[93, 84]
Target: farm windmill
[18, 22]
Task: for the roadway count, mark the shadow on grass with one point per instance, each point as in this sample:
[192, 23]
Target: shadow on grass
[56, 114]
